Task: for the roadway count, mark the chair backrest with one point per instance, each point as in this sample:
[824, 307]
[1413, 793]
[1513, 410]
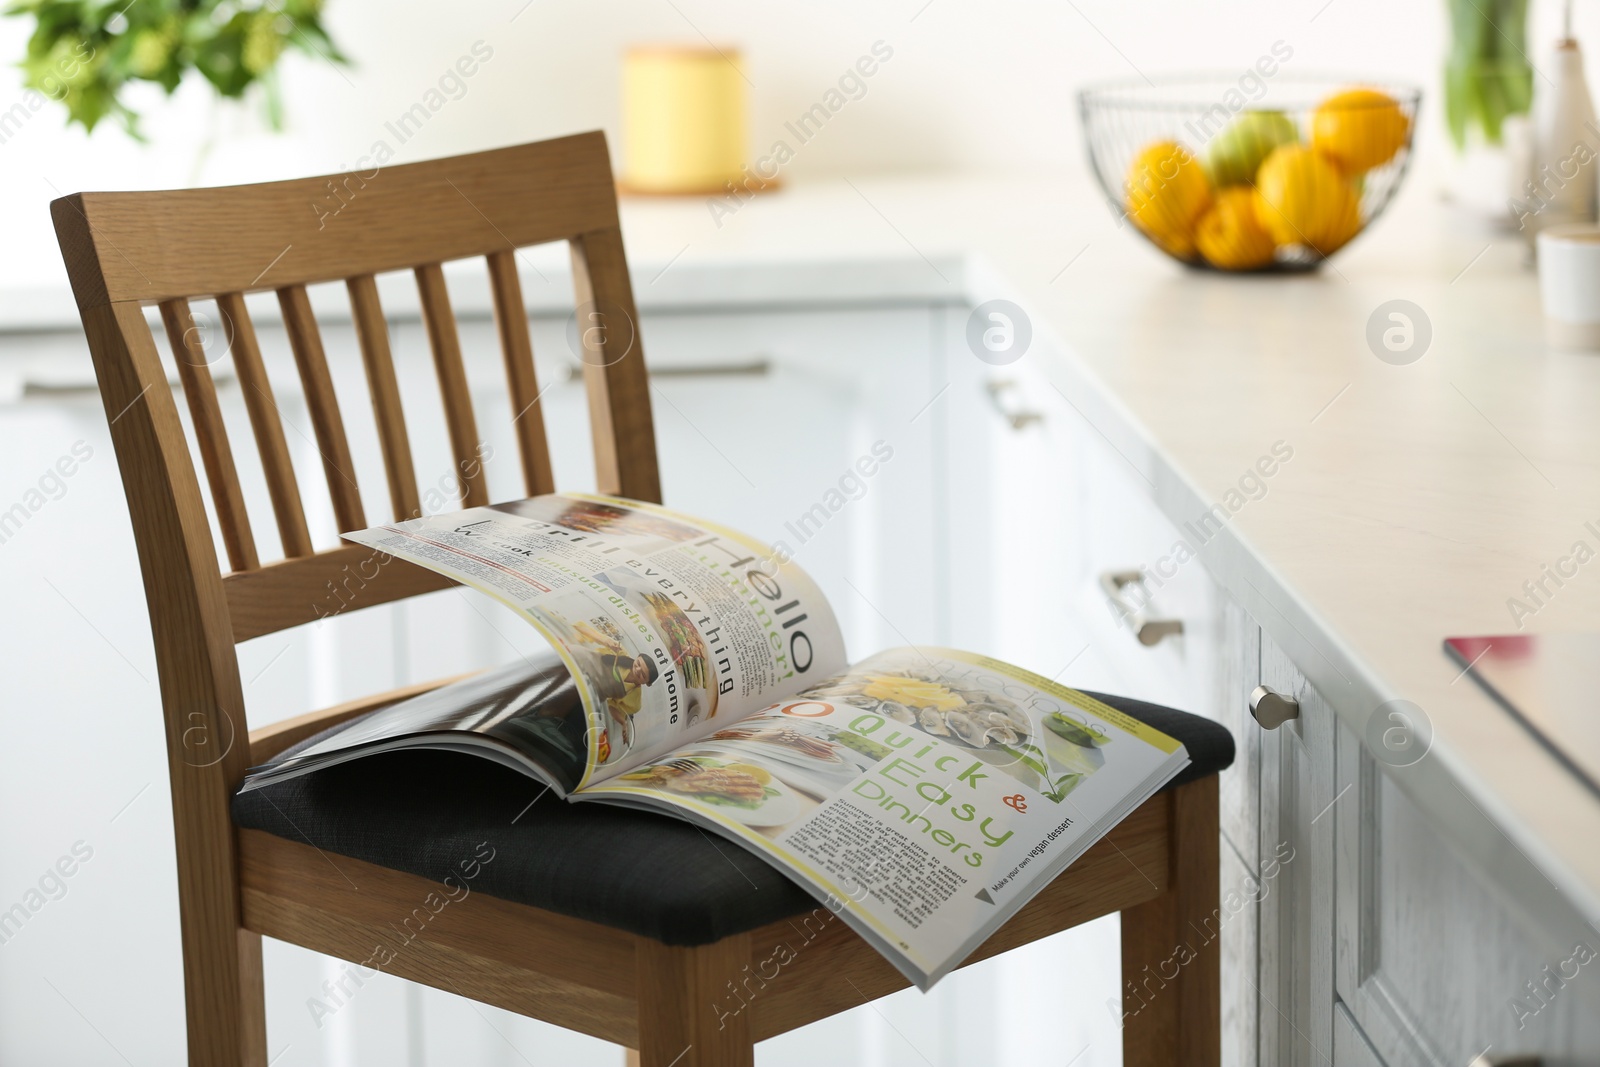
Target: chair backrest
[126, 251]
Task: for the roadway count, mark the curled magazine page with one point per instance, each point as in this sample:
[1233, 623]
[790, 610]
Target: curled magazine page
[532, 705]
[925, 794]
[675, 626]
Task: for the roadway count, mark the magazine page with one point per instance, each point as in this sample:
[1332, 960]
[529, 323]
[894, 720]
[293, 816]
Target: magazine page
[529, 713]
[928, 793]
[674, 626]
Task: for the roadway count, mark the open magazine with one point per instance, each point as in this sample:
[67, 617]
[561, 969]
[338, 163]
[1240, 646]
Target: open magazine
[926, 794]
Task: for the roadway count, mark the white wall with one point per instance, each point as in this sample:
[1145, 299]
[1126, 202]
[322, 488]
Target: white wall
[971, 85]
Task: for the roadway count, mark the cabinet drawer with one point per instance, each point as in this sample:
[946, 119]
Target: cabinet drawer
[1434, 968]
[1120, 531]
[1210, 668]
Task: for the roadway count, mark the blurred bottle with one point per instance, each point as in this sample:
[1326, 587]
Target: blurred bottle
[1566, 142]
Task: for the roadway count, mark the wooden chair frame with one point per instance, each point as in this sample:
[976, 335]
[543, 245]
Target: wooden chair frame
[678, 1006]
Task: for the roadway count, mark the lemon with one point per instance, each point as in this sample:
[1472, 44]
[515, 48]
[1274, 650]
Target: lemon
[1167, 193]
[1305, 200]
[1180, 245]
[1231, 235]
[1359, 129]
[760, 774]
[1345, 223]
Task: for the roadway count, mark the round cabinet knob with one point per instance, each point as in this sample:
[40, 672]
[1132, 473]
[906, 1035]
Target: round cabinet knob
[1271, 708]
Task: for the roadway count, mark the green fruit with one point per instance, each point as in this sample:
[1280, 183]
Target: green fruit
[1234, 154]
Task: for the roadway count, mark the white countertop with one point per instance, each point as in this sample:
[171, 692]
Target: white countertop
[1419, 497]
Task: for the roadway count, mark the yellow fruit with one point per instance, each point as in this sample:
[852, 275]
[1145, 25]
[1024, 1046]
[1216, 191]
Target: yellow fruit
[1359, 129]
[1231, 235]
[1167, 193]
[1305, 200]
[1345, 225]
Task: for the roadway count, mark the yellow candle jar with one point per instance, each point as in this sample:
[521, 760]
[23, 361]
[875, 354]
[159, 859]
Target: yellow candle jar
[683, 119]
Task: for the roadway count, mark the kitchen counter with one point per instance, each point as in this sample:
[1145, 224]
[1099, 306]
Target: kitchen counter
[1418, 499]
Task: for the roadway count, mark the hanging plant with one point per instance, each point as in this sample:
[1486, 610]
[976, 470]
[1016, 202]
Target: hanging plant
[84, 53]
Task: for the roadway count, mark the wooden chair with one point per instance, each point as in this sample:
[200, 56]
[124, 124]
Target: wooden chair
[126, 251]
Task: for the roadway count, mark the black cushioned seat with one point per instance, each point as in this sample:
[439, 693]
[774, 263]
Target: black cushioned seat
[425, 812]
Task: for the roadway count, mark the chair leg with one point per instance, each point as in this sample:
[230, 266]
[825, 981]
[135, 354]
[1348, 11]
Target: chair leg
[1171, 959]
[224, 999]
[684, 1005]
[252, 999]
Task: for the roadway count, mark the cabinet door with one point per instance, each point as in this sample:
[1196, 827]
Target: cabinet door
[85, 760]
[1238, 933]
[814, 430]
[1433, 966]
[1244, 869]
[1297, 829]
[1350, 1046]
[1012, 518]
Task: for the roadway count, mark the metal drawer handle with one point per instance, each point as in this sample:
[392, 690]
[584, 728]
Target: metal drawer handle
[1487, 1060]
[1019, 418]
[70, 388]
[1149, 631]
[1271, 708]
[754, 367]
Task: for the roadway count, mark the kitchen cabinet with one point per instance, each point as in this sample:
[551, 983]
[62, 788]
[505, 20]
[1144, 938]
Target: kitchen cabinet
[1431, 964]
[1350, 932]
[1047, 608]
[1377, 945]
[1109, 525]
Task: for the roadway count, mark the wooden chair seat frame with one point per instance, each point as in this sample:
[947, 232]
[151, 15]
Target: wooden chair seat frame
[705, 1005]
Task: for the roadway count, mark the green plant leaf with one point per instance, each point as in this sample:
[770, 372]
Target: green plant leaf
[1487, 77]
[82, 53]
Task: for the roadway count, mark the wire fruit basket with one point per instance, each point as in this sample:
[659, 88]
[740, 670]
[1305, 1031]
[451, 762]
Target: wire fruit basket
[1248, 173]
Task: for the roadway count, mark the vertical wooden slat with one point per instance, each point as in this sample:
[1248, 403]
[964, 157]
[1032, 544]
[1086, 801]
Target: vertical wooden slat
[267, 423]
[323, 405]
[446, 345]
[373, 334]
[511, 319]
[614, 371]
[210, 432]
